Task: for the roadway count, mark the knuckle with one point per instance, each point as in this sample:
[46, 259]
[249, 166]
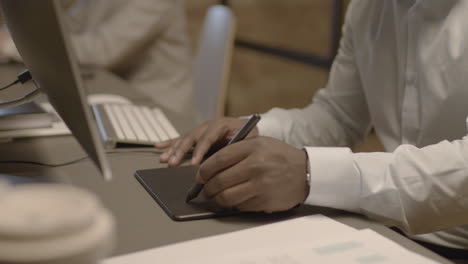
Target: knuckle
[209, 140]
[262, 182]
[217, 184]
[204, 172]
[208, 192]
[185, 144]
[190, 139]
[255, 169]
[179, 153]
[219, 159]
[260, 141]
[224, 199]
[170, 150]
[224, 125]
[176, 144]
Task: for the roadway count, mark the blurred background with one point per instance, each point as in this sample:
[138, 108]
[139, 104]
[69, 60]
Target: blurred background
[259, 81]
[300, 38]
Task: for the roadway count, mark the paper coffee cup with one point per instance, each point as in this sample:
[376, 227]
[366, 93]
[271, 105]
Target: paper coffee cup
[53, 224]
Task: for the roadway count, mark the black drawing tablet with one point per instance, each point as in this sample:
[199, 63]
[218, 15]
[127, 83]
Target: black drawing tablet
[169, 187]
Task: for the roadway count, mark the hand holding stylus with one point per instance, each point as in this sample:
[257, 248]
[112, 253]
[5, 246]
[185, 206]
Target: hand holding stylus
[255, 174]
[240, 135]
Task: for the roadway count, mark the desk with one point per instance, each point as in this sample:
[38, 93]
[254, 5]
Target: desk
[141, 223]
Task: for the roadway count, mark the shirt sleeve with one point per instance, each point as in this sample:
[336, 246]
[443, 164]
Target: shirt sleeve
[124, 34]
[418, 190]
[338, 115]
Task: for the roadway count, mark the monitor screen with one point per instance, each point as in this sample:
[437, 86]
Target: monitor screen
[37, 28]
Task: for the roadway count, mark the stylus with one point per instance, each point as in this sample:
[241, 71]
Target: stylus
[240, 135]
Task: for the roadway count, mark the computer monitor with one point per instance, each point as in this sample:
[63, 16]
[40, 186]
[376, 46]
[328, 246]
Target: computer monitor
[37, 28]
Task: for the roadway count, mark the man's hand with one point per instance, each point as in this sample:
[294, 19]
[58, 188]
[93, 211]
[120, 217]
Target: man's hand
[256, 174]
[202, 139]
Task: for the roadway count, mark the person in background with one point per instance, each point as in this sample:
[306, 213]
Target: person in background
[401, 68]
[144, 42]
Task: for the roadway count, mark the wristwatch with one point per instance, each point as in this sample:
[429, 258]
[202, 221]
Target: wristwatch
[307, 168]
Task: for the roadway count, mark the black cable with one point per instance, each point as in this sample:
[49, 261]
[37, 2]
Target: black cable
[9, 85]
[76, 160]
[44, 164]
[23, 77]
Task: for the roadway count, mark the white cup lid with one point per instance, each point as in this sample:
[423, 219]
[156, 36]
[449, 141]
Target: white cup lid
[51, 221]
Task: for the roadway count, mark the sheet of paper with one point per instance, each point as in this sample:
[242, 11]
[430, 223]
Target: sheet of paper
[295, 231]
[363, 247]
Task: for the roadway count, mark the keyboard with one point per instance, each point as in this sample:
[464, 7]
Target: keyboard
[129, 124]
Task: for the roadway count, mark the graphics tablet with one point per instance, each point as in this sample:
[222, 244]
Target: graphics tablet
[169, 187]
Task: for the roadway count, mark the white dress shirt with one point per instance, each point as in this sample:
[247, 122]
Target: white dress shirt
[402, 68]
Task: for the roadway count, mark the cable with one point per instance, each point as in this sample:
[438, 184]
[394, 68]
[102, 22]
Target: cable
[23, 77]
[75, 160]
[9, 85]
[44, 164]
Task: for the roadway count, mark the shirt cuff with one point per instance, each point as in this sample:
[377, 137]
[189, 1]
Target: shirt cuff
[269, 126]
[335, 181]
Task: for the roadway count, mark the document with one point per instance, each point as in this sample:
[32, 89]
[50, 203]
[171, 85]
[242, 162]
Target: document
[299, 230]
[310, 239]
[364, 247]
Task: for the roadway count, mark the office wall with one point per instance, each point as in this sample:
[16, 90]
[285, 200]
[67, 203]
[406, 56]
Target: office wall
[260, 81]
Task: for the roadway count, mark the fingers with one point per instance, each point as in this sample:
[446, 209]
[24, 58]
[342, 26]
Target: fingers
[180, 149]
[180, 146]
[213, 134]
[236, 195]
[165, 144]
[201, 138]
[226, 179]
[254, 204]
[223, 159]
[169, 152]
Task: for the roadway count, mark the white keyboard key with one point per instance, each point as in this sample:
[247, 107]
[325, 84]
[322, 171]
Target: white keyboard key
[153, 137]
[154, 123]
[122, 119]
[114, 123]
[170, 130]
[134, 123]
[138, 124]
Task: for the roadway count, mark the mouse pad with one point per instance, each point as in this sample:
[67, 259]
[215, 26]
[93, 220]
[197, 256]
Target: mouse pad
[169, 187]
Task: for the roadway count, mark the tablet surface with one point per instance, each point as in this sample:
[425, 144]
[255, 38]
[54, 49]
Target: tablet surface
[169, 187]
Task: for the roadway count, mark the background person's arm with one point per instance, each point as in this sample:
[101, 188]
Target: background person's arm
[114, 43]
[120, 38]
